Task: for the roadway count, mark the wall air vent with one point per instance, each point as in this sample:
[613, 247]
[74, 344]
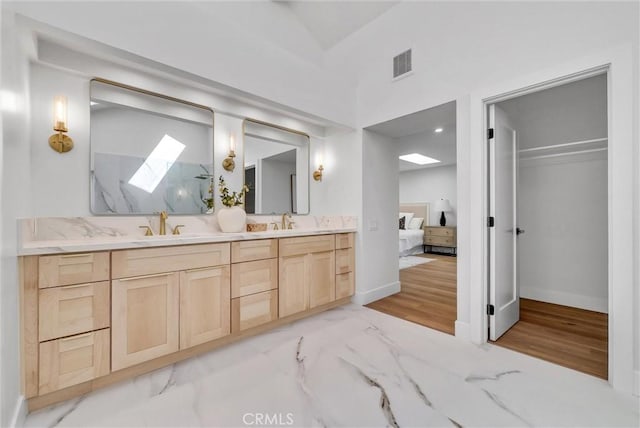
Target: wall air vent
[402, 64]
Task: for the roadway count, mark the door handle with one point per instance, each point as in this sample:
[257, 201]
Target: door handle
[519, 231]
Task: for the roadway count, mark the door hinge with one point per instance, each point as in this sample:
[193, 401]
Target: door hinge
[491, 310]
[491, 221]
[490, 133]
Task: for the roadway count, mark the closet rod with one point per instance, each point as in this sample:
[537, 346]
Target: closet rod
[596, 140]
[579, 152]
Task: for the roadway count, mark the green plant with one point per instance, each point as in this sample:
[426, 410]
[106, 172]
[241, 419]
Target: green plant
[233, 199]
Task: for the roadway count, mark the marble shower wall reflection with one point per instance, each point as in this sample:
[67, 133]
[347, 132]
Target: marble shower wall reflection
[183, 189]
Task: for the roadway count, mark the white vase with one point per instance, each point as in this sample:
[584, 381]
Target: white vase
[231, 219]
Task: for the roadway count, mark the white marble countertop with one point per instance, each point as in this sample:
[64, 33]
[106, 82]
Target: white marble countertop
[124, 242]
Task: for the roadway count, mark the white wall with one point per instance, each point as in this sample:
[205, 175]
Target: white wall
[253, 47]
[470, 60]
[430, 185]
[276, 185]
[562, 207]
[380, 276]
[15, 179]
[563, 256]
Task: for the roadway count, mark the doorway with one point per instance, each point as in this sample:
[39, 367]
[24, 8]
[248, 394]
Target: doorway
[548, 224]
[423, 146]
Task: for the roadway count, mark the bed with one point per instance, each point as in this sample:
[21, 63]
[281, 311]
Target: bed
[411, 239]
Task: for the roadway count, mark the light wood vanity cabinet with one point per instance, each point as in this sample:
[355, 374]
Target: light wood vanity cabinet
[155, 315]
[307, 273]
[93, 318]
[345, 265]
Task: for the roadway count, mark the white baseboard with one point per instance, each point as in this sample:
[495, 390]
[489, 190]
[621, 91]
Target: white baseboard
[462, 331]
[377, 293]
[20, 413]
[566, 299]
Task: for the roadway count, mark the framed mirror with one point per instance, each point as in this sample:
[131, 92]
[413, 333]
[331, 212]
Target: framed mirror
[276, 169]
[149, 153]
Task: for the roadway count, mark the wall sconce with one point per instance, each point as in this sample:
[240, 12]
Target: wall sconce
[317, 174]
[60, 142]
[229, 164]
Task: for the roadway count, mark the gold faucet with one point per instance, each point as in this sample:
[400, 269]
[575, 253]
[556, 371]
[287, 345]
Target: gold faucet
[286, 221]
[163, 222]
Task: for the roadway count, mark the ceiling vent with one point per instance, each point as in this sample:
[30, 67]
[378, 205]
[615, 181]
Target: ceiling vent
[402, 64]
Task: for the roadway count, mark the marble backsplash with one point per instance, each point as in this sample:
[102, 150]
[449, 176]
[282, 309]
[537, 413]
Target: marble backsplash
[81, 228]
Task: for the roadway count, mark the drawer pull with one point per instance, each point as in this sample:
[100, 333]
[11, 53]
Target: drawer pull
[76, 337]
[74, 256]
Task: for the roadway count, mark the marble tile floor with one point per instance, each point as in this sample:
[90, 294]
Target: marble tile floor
[354, 367]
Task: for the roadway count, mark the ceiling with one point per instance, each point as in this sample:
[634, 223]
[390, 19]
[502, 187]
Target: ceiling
[414, 133]
[330, 22]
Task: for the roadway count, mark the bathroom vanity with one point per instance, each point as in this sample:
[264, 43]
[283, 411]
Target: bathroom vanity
[96, 312]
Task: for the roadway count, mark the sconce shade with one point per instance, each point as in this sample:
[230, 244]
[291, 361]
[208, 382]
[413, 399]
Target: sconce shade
[443, 205]
[60, 113]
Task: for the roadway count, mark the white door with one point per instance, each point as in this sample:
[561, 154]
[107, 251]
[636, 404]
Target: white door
[503, 275]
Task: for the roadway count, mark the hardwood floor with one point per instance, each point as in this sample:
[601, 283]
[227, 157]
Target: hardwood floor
[427, 294]
[570, 337]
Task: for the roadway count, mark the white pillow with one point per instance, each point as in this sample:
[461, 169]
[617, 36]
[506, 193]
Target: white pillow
[407, 219]
[416, 223]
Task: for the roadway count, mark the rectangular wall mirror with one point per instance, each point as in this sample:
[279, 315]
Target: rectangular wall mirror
[276, 169]
[149, 153]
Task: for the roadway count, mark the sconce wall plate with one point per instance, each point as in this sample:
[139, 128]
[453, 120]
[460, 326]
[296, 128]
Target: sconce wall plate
[61, 143]
[317, 174]
[228, 163]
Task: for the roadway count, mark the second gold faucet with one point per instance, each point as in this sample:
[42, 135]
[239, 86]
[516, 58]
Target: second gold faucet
[163, 222]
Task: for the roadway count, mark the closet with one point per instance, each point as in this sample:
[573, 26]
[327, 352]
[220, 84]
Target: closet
[560, 227]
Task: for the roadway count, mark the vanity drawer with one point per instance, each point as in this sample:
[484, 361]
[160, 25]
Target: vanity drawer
[67, 269]
[253, 277]
[344, 240]
[306, 245]
[150, 261]
[345, 285]
[72, 360]
[253, 310]
[345, 260]
[246, 251]
[64, 311]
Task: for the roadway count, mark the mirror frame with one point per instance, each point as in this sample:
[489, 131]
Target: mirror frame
[281, 128]
[154, 94]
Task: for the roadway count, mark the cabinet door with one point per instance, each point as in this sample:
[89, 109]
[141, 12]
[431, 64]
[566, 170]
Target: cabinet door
[73, 360]
[144, 318]
[205, 305]
[322, 278]
[294, 289]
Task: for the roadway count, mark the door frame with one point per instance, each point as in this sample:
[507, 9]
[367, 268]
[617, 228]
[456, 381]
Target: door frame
[617, 63]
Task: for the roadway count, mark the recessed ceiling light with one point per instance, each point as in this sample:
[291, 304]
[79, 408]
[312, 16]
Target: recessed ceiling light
[437, 130]
[419, 159]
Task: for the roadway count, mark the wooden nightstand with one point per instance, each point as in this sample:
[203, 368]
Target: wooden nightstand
[438, 236]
